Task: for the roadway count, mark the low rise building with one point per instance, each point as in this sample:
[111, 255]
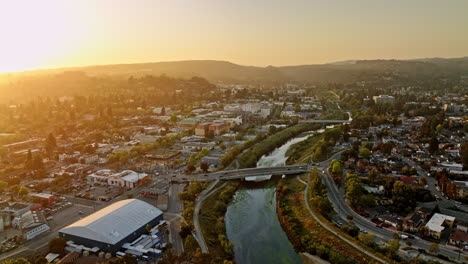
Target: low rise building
[383, 99]
[437, 224]
[127, 178]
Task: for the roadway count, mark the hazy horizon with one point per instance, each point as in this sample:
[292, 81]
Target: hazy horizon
[58, 34]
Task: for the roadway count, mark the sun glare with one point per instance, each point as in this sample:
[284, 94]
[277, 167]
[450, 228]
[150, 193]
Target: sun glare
[35, 34]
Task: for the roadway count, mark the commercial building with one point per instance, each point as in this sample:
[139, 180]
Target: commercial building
[111, 227]
[128, 179]
[383, 99]
[437, 224]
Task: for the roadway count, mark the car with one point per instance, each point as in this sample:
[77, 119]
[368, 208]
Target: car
[410, 236]
[80, 212]
[378, 226]
[421, 250]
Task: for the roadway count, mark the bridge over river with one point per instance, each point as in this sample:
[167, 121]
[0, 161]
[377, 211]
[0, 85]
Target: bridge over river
[252, 173]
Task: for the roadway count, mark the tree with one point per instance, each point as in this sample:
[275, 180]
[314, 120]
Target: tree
[393, 246]
[57, 245]
[50, 144]
[190, 244]
[434, 248]
[28, 163]
[23, 191]
[16, 261]
[3, 186]
[190, 168]
[368, 239]
[204, 166]
[365, 153]
[40, 260]
[464, 155]
[433, 145]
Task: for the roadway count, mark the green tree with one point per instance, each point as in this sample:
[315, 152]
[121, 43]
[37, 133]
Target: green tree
[368, 239]
[393, 246]
[190, 244]
[365, 153]
[23, 191]
[434, 248]
[16, 261]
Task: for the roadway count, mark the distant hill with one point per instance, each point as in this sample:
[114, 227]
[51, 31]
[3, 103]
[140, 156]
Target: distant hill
[223, 71]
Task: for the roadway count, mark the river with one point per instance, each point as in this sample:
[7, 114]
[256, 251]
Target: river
[252, 225]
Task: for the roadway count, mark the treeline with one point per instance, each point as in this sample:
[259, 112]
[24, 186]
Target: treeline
[250, 157]
[212, 223]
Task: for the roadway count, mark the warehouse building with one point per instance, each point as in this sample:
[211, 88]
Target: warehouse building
[111, 227]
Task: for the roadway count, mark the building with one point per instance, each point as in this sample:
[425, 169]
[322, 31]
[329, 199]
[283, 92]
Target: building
[202, 129]
[44, 198]
[111, 227]
[454, 108]
[33, 224]
[127, 178]
[437, 224]
[218, 128]
[381, 99]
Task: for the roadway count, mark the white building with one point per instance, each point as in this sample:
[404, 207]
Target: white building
[127, 178]
[437, 222]
[32, 224]
[383, 99]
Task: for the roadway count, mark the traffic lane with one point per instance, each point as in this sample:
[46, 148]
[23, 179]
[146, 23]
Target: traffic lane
[365, 224]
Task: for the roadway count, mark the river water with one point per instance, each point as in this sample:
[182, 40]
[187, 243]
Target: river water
[252, 225]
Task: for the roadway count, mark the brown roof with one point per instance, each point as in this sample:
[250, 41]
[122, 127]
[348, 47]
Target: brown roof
[69, 258]
[459, 235]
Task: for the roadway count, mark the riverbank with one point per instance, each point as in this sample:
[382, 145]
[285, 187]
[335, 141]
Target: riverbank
[250, 157]
[305, 233]
[315, 148]
[212, 222]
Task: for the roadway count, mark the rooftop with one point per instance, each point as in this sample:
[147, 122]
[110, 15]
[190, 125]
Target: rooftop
[114, 222]
[436, 222]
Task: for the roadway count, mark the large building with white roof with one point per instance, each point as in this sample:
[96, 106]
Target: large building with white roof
[111, 227]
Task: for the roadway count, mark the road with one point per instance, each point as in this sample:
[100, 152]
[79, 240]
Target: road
[174, 208]
[431, 184]
[337, 199]
[198, 234]
[61, 219]
[333, 231]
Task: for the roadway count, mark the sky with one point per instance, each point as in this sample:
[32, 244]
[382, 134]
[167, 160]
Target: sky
[61, 33]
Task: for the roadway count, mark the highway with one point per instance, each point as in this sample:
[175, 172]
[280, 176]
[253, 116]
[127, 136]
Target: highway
[337, 199]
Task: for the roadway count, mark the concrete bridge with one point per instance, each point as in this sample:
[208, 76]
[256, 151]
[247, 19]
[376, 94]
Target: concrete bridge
[251, 172]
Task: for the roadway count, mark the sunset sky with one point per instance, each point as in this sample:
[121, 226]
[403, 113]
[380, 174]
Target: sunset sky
[46, 34]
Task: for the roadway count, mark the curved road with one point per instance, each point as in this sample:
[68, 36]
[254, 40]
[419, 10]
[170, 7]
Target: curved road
[197, 233]
[343, 209]
[333, 231]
